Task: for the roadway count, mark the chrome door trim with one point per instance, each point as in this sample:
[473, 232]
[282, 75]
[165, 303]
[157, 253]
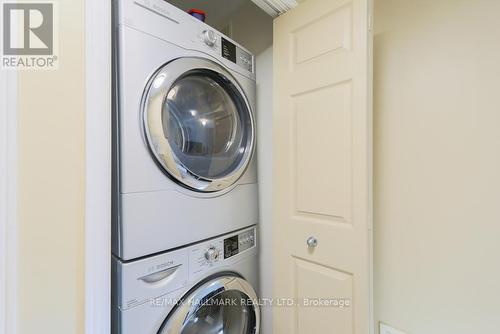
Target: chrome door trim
[229, 281]
[153, 98]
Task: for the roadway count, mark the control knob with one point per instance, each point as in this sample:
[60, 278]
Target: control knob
[212, 254]
[209, 37]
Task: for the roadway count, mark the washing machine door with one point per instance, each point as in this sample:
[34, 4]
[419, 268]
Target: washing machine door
[198, 124]
[223, 305]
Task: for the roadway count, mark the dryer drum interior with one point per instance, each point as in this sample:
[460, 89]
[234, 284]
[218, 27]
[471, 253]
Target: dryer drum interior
[198, 124]
[223, 305]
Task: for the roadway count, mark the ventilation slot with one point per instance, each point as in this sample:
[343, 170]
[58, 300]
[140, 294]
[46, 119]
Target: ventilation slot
[275, 7]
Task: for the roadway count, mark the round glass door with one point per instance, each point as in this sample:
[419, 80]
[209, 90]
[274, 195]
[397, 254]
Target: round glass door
[223, 313]
[224, 305]
[199, 124]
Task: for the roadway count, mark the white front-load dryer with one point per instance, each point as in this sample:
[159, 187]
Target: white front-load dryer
[185, 131]
[206, 288]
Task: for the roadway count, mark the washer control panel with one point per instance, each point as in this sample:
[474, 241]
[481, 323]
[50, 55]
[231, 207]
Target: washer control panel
[239, 243]
[220, 251]
[158, 275]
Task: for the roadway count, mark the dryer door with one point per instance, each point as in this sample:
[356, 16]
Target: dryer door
[198, 124]
[223, 305]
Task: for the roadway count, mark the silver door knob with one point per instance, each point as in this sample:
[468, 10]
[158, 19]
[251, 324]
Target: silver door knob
[312, 242]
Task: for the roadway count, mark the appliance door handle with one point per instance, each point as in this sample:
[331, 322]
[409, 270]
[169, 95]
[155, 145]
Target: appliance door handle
[159, 275]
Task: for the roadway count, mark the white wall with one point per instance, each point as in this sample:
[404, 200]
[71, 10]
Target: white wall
[51, 186]
[437, 165]
[265, 164]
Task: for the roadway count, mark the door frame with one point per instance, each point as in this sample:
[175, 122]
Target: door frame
[97, 167]
[8, 201]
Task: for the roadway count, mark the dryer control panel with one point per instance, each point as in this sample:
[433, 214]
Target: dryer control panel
[223, 47]
[236, 54]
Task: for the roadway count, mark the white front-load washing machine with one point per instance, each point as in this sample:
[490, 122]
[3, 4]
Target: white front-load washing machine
[206, 288]
[184, 133]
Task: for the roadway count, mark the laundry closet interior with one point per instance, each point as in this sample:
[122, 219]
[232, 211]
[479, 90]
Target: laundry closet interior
[192, 168]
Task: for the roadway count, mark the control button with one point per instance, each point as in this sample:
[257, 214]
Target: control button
[245, 60]
[212, 254]
[209, 37]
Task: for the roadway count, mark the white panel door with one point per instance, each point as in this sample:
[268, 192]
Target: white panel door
[322, 168]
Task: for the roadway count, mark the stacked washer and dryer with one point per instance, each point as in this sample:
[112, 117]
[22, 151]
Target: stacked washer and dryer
[185, 184]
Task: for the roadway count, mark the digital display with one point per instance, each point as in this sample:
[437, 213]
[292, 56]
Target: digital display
[230, 246]
[228, 50]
